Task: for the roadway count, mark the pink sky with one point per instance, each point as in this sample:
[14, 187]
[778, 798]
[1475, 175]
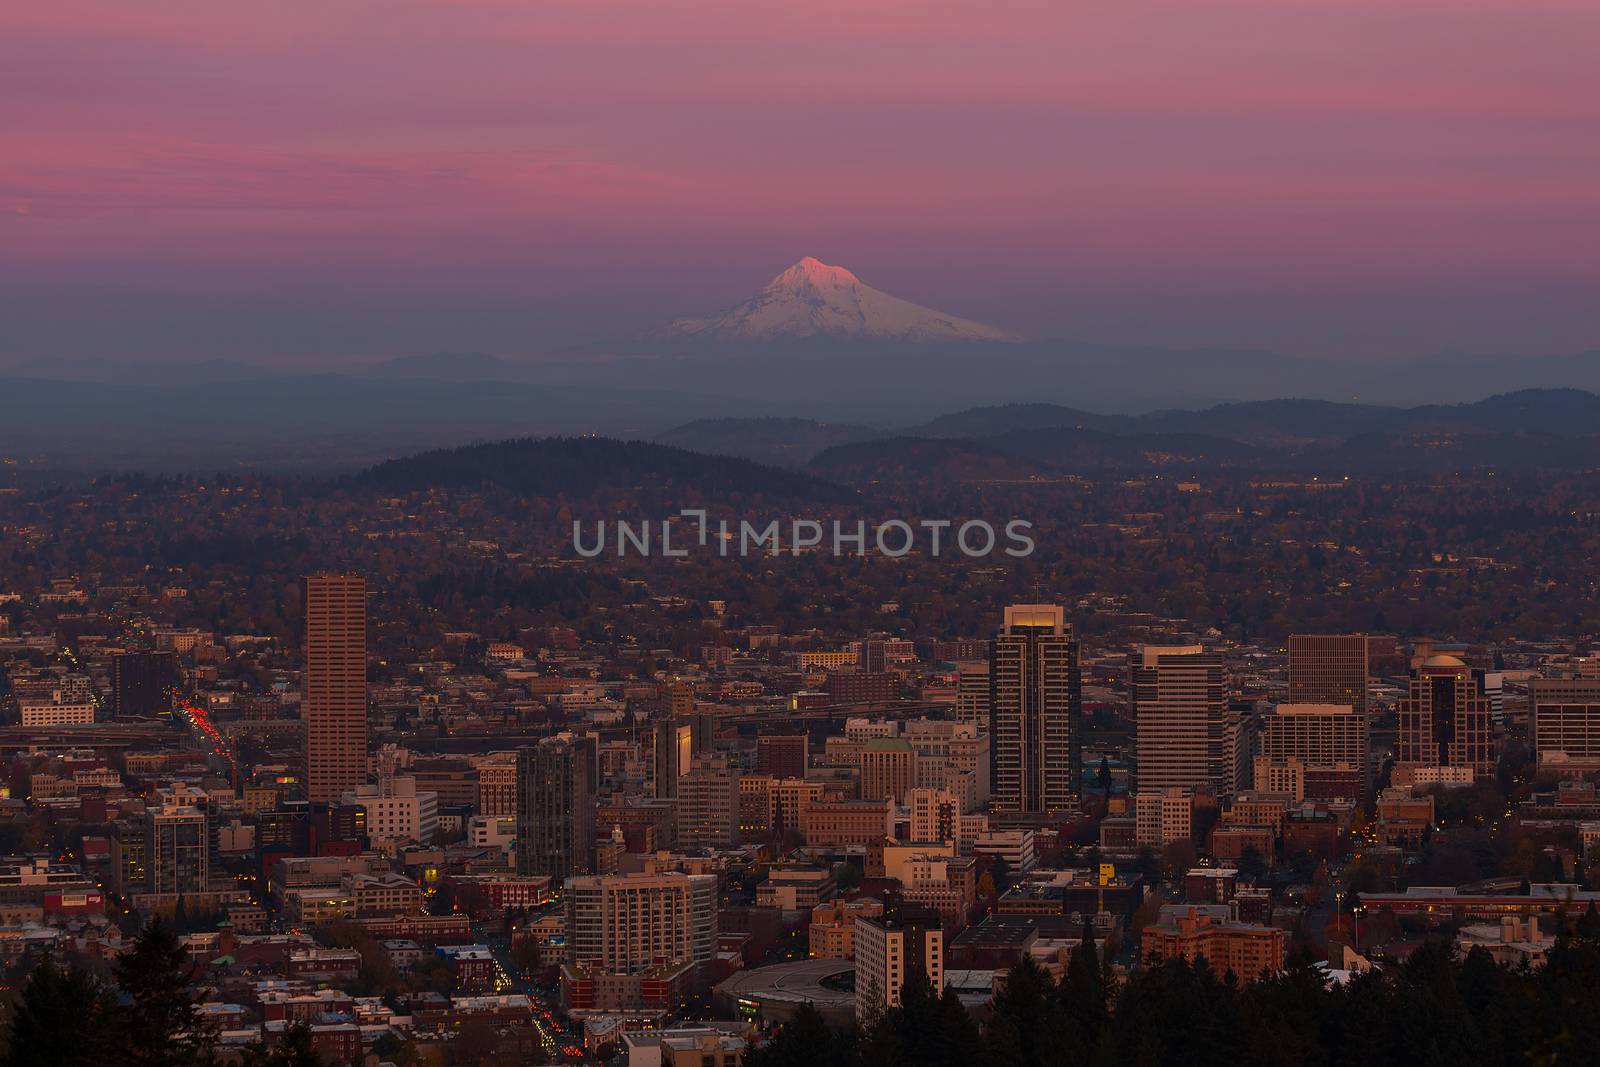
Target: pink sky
[305, 180]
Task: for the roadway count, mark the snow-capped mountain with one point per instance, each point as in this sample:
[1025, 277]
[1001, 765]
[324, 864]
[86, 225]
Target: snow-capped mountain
[814, 299]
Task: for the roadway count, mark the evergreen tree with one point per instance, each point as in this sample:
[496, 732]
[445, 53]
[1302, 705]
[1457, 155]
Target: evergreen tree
[1083, 994]
[160, 1025]
[1027, 1027]
[59, 1021]
[804, 1041]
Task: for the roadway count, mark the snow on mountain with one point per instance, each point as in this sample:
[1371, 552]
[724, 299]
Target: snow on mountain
[814, 299]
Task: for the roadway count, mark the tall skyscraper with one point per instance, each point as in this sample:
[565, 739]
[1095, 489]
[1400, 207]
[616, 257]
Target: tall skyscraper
[1183, 731]
[1035, 694]
[1445, 720]
[335, 698]
[141, 683]
[555, 807]
[672, 747]
[1328, 669]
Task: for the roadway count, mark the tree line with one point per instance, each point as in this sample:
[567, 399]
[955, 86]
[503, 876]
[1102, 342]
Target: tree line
[1435, 1008]
[148, 1015]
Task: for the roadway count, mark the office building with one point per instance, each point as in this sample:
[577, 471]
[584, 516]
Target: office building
[888, 769]
[334, 704]
[679, 696]
[796, 886]
[142, 683]
[948, 752]
[838, 823]
[832, 933]
[624, 924]
[947, 884]
[1329, 669]
[672, 748]
[708, 804]
[1566, 723]
[178, 842]
[935, 815]
[862, 687]
[396, 811]
[1162, 817]
[1185, 735]
[556, 807]
[888, 947]
[1035, 690]
[788, 799]
[1328, 741]
[56, 711]
[497, 784]
[972, 692]
[782, 755]
[1445, 721]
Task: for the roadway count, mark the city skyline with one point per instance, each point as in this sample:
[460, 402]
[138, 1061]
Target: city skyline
[864, 533]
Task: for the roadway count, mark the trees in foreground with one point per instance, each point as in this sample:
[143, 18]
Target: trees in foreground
[148, 1017]
[1434, 1008]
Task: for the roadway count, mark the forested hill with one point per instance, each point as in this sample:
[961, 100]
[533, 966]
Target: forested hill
[576, 466]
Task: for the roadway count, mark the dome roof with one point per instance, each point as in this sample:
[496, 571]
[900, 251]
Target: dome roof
[1442, 661]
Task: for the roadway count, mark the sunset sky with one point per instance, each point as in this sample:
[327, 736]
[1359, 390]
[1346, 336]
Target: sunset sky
[310, 181]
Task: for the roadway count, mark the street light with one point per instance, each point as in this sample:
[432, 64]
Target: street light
[1338, 910]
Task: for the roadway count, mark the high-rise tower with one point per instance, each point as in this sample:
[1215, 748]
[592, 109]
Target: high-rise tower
[1185, 736]
[1035, 693]
[555, 807]
[335, 699]
[1445, 720]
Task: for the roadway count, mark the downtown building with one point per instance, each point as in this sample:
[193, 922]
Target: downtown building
[178, 842]
[334, 706]
[1187, 734]
[1247, 950]
[1445, 729]
[888, 947]
[556, 807]
[497, 784]
[972, 692]
[1329, 669]
[396, 812]
[1035, 696]
[164, 855]
[638, 940]
[1565, 723]
[142, 684]
[671, 749]
[1321, 751]
[708, 804]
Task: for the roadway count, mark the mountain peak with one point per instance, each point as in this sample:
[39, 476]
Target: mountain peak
[816, 299]
[812, 271]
